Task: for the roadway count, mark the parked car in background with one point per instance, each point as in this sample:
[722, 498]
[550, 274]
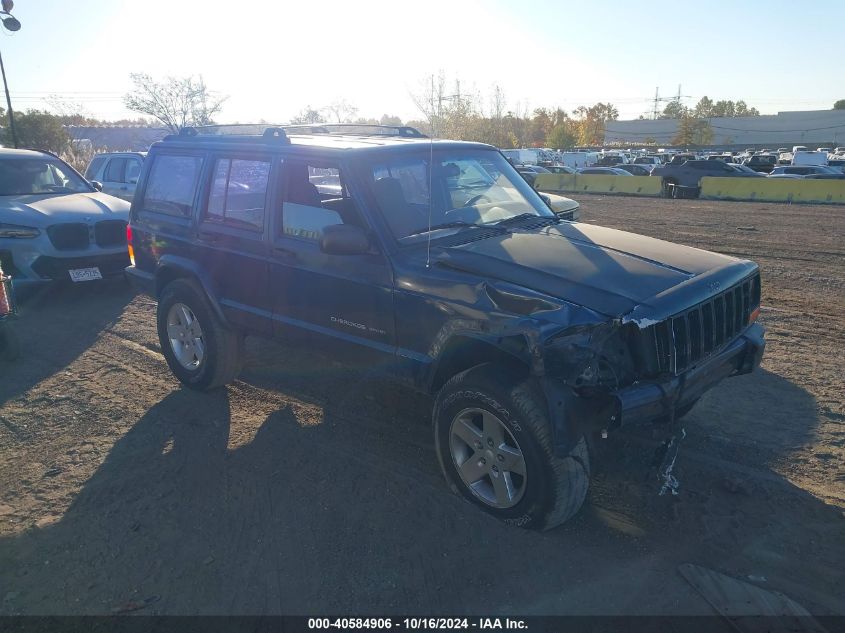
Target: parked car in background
[680, 159]
[805, 170]
[603, 171]
[764, 163]
[54, 224]
[637, 170]
[529, 172]
[118, 172]
[690, 173]
[648, 160]
[744, 169]
[561, 169]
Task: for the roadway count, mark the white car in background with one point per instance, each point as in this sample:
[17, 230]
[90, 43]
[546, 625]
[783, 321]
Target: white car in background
[54, 224]
[117, 171]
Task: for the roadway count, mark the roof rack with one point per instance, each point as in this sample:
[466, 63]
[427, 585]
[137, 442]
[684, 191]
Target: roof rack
[232, 133]
[279, 133]
[356, 129]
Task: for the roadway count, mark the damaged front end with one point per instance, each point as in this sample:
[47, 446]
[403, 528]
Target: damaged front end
[647, 367]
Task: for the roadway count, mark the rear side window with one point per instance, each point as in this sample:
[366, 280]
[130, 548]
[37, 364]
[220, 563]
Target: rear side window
[238, 193]
[94, 167]
[114, 170]
[172, 184]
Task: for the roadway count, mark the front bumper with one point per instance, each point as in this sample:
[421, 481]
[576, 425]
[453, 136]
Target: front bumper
[36, 260]
[646, 402]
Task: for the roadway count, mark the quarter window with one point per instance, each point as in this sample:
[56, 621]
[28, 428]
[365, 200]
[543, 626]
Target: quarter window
[172, 184]
[238, 193]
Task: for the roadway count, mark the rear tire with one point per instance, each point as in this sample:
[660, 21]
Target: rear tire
[217, 350]
[551, 489]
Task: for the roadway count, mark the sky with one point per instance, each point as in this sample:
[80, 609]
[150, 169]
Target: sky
[272, 59]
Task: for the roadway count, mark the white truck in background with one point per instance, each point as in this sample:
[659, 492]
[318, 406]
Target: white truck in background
[579, 159]
[809, 158]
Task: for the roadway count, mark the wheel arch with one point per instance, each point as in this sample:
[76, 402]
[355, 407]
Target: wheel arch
[171, 268]
[464, 351]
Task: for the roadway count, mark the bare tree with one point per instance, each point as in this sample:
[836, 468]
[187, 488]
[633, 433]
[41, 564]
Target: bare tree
[308, 115]
[341, 111]
[177, 102]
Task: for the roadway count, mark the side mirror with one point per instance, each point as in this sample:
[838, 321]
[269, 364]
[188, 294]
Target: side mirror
[344, 239]
[97, 185]
[547, 200]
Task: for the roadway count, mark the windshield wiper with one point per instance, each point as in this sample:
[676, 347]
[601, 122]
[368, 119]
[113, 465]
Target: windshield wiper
[525, 216]
[455, 224]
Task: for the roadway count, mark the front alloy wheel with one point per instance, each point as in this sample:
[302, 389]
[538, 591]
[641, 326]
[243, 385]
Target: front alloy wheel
[488, 458]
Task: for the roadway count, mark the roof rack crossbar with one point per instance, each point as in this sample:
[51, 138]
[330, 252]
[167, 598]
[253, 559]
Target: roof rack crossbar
[232, 133]
[357, 129]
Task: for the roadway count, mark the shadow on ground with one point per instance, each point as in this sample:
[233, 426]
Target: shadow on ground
[72, 314]
[340, 508]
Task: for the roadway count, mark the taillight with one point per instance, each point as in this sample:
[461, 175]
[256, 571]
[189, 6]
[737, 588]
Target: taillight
[129, 244]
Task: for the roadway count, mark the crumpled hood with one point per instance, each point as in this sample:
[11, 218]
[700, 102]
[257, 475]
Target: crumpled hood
[41, 211]
[603, 269]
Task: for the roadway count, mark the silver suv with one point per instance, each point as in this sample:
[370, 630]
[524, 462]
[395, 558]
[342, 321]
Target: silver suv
[56, 225]
[118, 172]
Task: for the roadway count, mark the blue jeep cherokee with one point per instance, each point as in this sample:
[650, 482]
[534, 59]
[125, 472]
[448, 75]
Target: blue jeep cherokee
[437, 263]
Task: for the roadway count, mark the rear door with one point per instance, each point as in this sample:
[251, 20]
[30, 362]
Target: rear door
[232, 246]
[343, 302]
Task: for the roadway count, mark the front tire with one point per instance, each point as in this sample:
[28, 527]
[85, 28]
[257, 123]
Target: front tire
[494, 444]
[200, 351]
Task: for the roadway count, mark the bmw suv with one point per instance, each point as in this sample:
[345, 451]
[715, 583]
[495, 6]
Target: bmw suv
[436, 263]
[54, 224]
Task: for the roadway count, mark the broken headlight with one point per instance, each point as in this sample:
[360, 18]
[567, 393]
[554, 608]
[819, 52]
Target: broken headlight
[590, 357]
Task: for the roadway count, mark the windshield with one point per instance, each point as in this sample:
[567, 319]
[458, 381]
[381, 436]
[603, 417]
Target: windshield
[466, 188]
[39, 176]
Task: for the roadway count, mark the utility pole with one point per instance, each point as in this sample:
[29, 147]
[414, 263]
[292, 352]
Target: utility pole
[9, 104]
[656, 101]
[10, 23]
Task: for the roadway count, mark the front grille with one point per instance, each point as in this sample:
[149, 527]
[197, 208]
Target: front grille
[57, 267]
[675, 344]
[69, 237]
[110, 233]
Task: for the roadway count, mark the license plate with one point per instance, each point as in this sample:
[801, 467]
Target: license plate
[85, 274]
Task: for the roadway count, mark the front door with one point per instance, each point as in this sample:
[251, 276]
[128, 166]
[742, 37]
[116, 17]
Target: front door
[344, 302]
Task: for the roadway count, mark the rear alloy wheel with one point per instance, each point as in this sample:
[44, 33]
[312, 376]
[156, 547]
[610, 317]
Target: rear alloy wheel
[200, 351]
[185, 336]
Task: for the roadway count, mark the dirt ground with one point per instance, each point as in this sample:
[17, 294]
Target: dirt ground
[307, 487]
